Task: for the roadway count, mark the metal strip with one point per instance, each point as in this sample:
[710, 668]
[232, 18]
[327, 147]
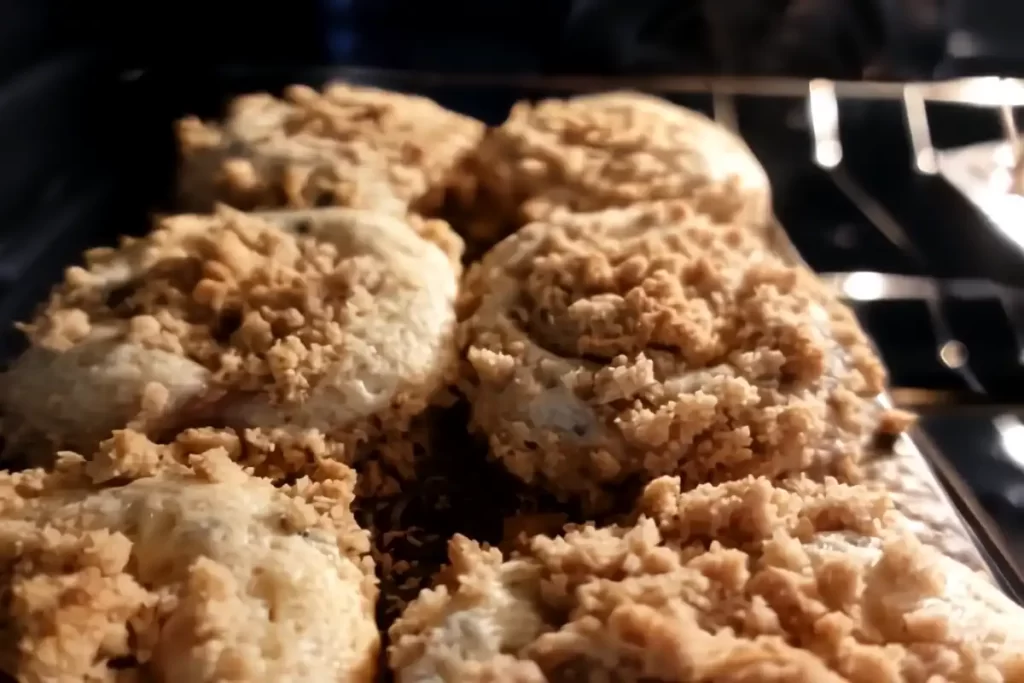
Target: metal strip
[985, 91]
[916, 116]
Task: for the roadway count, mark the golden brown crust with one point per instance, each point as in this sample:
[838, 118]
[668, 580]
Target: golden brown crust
[197, 572]
[348, 146]
[745, 581]
[647, 341]
[615, 149]
[346, 329]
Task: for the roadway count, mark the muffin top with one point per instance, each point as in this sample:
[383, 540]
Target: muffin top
[174, 560]
[332, 323]
[616, 149]
[739, 582]
[649, 341]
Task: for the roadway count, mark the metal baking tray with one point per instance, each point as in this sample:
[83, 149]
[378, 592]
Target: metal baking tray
[912, 458]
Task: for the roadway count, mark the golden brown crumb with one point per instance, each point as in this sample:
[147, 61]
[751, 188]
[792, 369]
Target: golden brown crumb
[633, 343]
[745, 581]
[196, 572]
[349, 146]
[613, 150]
[346, 328]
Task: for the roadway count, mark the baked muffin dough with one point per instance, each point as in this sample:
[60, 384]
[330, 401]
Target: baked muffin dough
[298, 171]
[612, 150]
[349, 146]
[744, 581]
[628, 344]
[342, 323]
[137, 564]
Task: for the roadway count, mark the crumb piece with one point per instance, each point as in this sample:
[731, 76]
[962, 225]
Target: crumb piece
[895, 422]
[197, 572]
[801, 582]
[611, 150]
[628, 344]
[343, 325]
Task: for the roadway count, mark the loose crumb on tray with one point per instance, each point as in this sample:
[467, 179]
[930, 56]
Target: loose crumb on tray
[600, 348]
[342, 324]
[189, 572]
[745, 581]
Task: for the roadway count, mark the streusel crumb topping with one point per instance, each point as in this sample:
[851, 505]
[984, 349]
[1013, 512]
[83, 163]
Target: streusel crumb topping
[649, 341]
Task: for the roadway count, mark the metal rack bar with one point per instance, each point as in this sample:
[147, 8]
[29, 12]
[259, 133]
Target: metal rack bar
[983, 91]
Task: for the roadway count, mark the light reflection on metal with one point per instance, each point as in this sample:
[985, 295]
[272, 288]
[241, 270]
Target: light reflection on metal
[823, 111]
[1011, 438]
[724, 109]
[864, 286]
[953, 354]
[916, 114]
[1009, 125]
[983, 174]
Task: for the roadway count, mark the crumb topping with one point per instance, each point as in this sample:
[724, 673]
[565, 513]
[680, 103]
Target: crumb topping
[349, 146]
[341, 328]
[134, 560]
[648, 341]
[611, 150]
[301, 171]
[740, 582]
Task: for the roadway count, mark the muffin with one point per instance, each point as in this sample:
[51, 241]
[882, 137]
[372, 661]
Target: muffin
[744, 581]
[342, 322]
[612, 150]
[135, 566]
[628, 344]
